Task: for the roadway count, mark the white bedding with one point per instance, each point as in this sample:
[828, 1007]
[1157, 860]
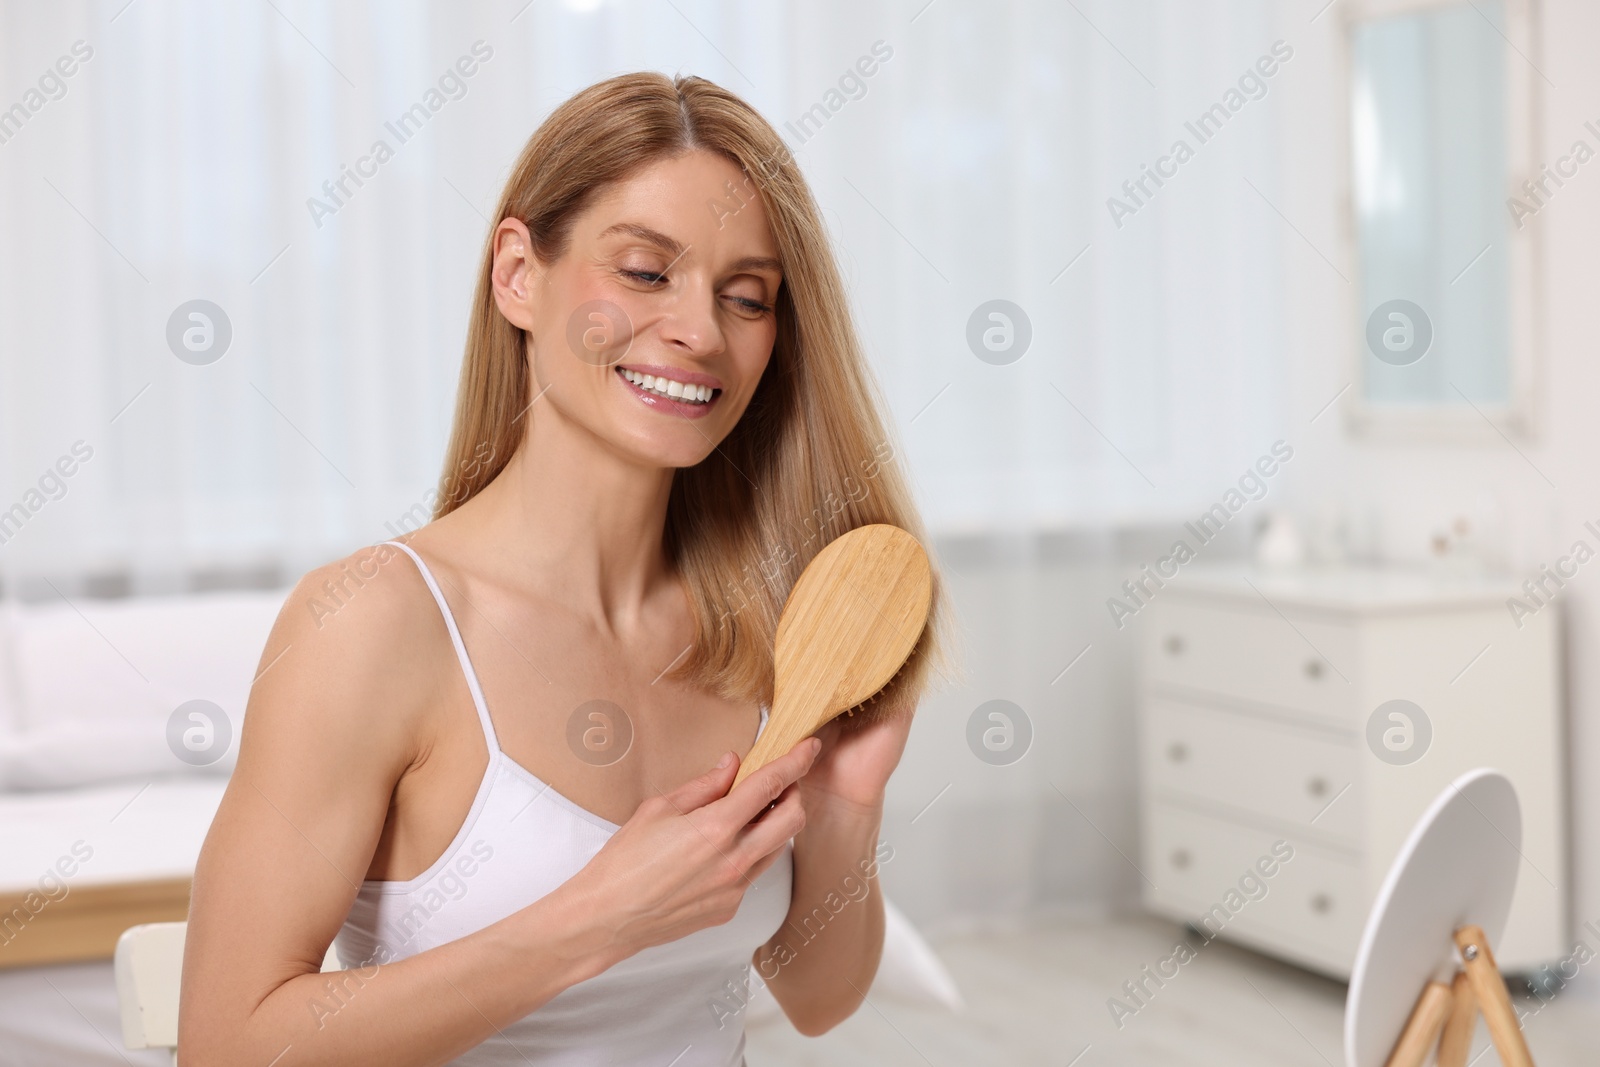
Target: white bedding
[135, 829]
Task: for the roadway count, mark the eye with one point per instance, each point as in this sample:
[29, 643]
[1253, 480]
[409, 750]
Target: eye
[644, 277]
[747, 306]
[745, 296]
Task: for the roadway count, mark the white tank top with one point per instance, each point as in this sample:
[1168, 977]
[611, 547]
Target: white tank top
[679, 1004]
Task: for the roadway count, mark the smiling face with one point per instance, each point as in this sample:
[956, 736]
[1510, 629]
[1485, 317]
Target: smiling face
[652, 329]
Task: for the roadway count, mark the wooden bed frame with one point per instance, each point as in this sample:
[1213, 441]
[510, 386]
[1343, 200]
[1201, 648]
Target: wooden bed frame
[84, 924]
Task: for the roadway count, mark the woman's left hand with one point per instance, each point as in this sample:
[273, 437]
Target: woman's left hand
[856, 760]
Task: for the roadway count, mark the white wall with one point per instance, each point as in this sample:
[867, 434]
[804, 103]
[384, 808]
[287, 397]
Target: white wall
[1418, 489]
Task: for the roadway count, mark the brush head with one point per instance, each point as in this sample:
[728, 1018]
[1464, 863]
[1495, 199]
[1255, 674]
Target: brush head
[852, 618]
[849, 625]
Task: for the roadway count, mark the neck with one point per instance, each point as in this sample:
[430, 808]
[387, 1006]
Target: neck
[578, 518]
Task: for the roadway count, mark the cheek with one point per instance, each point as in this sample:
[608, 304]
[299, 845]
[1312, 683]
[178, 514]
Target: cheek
[751, 345]
[579, 328]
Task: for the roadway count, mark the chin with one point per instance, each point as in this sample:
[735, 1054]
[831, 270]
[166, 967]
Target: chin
[671, 450]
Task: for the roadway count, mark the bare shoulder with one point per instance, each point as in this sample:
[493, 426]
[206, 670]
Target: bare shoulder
[354, 656]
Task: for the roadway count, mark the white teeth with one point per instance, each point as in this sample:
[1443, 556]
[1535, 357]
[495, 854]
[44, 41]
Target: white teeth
[693, 394]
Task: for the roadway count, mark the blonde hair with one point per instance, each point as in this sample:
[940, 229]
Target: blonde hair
[809, 459]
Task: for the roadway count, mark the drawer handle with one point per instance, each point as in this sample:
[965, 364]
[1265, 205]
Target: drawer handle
[1177, 752]
[1174, 645]
[1181, 858]
[1317, 787]
[1313, 669]
[1322, 903]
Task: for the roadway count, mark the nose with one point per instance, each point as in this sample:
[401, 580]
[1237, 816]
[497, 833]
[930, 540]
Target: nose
[691, 325]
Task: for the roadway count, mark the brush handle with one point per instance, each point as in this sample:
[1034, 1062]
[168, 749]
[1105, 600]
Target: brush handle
[786, 727]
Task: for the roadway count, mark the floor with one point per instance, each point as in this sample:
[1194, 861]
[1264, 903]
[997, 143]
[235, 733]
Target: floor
[1036, 995]
[1039, 996]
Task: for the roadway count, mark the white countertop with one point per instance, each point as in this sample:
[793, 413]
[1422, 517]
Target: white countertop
[1348, 589]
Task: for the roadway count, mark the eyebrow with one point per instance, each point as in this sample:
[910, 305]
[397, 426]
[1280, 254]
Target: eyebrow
[676, 250]
[758, 263]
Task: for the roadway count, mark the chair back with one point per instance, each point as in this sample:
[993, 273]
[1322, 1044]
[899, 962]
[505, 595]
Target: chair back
[148, 965]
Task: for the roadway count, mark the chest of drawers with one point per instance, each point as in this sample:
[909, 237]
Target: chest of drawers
[1260, 723]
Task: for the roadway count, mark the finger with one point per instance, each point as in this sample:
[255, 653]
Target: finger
[703, 789]
[769, 833]
[759, 867]
[756, 792]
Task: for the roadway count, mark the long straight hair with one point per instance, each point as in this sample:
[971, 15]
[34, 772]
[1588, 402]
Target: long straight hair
[810, 458]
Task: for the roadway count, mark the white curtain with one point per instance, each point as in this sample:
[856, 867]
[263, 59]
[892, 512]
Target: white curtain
[974, 163]
[175, 163]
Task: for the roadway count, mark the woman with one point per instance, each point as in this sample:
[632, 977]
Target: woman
[480, 759]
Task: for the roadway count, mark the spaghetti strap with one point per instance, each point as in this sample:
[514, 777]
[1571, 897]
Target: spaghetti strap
[461, 647]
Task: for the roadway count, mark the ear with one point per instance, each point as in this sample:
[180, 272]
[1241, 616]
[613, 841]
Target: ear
[516, 274]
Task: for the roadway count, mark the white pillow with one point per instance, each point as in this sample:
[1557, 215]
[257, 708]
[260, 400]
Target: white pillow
[10, 709]
[98, 680]
[73, 755]
[910, 972]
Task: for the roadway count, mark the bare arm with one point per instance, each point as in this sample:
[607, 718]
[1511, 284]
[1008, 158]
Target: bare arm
[821, 962]
[332, 727]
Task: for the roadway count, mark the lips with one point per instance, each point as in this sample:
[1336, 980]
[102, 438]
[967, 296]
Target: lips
[688, 394]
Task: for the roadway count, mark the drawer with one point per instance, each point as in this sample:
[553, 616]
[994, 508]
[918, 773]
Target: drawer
[1253, 655]
[1275, 770]
[1312, 906]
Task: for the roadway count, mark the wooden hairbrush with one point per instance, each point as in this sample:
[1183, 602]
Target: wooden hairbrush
[850, 623]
